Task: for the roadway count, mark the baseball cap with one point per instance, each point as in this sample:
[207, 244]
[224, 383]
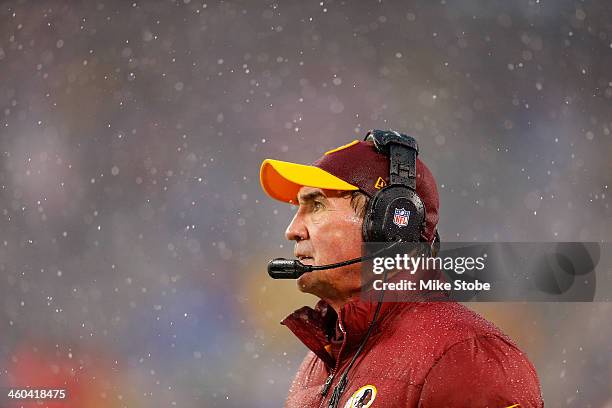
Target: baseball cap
[351, 167]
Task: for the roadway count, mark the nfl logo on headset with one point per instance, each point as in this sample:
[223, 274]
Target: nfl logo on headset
[401, 216]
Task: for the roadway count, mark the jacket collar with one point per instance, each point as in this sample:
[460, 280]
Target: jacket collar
[322, 330]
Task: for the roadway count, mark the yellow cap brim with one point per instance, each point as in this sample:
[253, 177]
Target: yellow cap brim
[282, 180]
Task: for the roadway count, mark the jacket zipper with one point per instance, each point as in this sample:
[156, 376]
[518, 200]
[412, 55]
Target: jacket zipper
[328, 382]
[330, 379]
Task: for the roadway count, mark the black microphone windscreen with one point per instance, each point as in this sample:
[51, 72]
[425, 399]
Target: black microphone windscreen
[281, 268]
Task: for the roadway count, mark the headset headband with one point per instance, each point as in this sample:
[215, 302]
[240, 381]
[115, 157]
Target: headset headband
[402, 151]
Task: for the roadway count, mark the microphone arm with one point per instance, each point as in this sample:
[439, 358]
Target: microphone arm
[281, 268]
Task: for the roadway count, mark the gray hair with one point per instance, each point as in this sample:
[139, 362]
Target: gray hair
[359, 202]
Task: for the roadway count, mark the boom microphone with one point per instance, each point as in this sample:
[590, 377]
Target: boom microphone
[281, 268]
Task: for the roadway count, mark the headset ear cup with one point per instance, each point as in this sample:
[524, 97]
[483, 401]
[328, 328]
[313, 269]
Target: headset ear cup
[394, 213]
[366, 228]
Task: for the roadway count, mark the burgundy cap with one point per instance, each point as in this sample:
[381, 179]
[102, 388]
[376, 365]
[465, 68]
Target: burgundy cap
[356, 165]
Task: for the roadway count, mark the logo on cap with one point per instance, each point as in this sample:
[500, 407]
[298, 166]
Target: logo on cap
[400, 217]
[380, 183]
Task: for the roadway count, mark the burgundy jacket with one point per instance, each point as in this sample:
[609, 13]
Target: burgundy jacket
[420, 354]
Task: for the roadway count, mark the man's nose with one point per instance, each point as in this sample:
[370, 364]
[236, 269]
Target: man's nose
[296, 230]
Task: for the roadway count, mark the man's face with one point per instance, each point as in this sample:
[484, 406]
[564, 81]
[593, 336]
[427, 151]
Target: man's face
[326, 230]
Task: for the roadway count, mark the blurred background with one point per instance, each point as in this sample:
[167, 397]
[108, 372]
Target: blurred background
[134, 235]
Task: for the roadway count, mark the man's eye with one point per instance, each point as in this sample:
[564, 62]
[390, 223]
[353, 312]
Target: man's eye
[318, 206]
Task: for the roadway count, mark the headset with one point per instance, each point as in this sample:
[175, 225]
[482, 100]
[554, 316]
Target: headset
[396, 212]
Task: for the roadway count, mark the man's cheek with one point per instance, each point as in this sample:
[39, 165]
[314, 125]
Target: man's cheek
[347, 231]
[354, 220]
[351, 223]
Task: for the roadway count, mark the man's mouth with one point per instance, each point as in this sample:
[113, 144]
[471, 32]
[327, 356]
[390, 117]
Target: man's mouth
[306, 260]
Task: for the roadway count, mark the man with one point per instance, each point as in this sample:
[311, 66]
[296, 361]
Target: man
[417, 354]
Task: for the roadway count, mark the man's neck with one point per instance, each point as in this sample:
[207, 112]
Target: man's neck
[338, 303]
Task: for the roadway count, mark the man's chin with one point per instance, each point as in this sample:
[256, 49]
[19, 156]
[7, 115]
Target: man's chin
[303, 281]
[307, 282]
